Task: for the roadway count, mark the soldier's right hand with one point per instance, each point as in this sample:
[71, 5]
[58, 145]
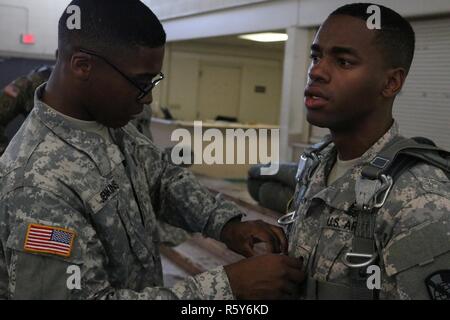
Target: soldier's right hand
[268, 276]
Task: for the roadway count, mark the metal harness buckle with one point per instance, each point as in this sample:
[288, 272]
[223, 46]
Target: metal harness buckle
[371, 199]
[309, 161]
[371, 259]
[386, 186]
[287, 219]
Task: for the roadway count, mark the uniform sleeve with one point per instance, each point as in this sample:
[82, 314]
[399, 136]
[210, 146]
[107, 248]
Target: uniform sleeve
[12, 102]
[12, 99]
[183, 202]
[418, 256]
[81, 274]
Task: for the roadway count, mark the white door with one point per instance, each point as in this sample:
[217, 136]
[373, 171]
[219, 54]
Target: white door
[219, 92]
[423, 106]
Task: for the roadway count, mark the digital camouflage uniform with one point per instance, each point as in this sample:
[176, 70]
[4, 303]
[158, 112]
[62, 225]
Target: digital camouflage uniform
[109, 195]
[413, 228]
[18, 98]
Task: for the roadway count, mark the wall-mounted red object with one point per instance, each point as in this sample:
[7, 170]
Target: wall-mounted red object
[28, 38]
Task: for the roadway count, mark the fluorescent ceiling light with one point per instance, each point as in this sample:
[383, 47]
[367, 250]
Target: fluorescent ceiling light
[265, 37]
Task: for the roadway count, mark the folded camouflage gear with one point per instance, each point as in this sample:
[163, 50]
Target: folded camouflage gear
[275, 191]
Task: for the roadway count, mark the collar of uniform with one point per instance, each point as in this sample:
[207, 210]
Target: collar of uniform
[338, 195]
[318, 180]
[380, 144]
[372, 151]
[341, 194]
[90, 143]
[133, 134]
[128, 139]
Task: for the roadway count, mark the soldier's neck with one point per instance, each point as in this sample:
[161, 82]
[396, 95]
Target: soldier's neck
[62, 100]
[352, 143]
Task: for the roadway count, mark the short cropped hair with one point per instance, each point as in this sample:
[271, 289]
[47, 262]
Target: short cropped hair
[111, 26]
[396, 36]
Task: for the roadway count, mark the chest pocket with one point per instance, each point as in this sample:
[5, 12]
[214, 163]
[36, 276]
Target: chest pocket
[305, 231]
[303, 235]
[336, 235]
[118, 225]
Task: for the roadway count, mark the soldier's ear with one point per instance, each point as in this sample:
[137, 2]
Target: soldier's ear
[395, 78]
[81, 65]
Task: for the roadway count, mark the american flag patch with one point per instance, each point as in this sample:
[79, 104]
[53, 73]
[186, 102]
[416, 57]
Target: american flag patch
[47, 239]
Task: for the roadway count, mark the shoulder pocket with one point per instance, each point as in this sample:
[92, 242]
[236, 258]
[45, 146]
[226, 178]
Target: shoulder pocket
[44, 238]
[40, 275]
[418, 246]
[441, 188]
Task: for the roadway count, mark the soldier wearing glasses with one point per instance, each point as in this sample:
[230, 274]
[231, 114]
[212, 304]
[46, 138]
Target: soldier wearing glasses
[18, 98]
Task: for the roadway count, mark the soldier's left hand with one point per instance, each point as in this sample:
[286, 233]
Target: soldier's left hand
[242, 236]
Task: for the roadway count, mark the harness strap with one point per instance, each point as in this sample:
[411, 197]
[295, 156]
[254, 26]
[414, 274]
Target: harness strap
[384, 161]
[399, 155]
[364, 243]
[334, 291]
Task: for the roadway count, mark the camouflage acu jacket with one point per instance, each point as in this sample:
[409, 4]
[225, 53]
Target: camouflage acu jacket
[70, 202]
[413, 227]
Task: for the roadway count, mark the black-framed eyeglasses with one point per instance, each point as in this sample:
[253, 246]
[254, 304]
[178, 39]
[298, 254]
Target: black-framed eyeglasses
[144, 91]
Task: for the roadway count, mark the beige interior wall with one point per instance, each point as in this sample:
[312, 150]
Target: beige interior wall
[258, 69]
[182, 85]
[261, 107]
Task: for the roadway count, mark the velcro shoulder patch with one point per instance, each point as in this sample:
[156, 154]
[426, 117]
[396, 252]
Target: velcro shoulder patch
[47, 239]
[418, 246]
